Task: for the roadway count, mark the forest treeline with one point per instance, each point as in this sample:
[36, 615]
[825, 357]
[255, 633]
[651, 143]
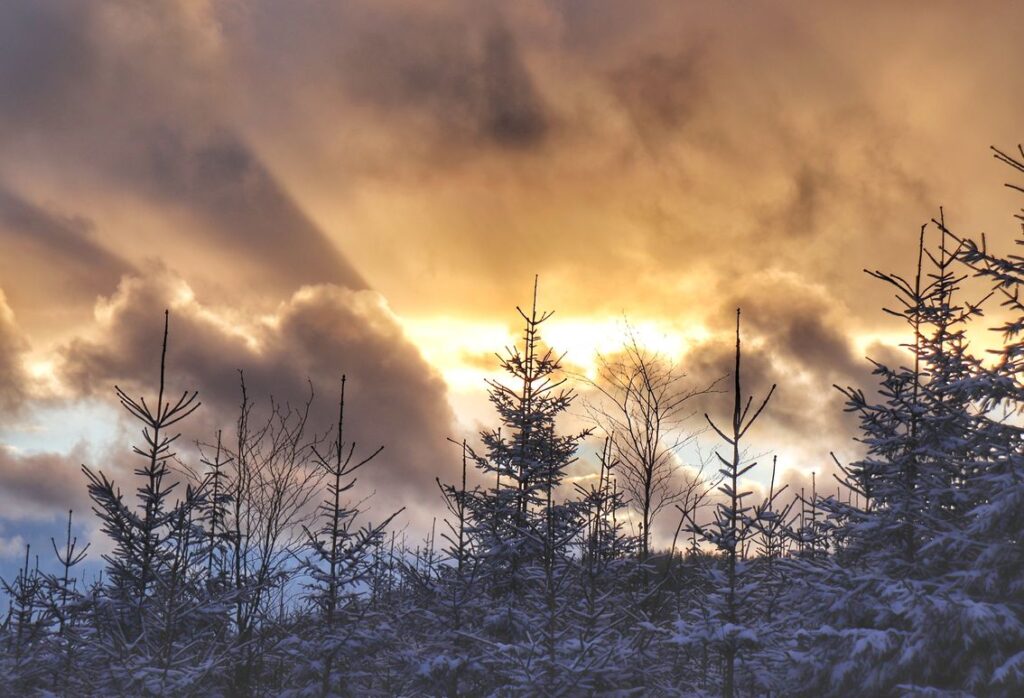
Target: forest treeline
[254, 572]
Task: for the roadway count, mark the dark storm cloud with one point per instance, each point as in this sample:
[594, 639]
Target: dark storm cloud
[449, 76]
[715, 360]
[513, 112]
[41, 485]
[393, 397]
[793, 336]
[800, 323]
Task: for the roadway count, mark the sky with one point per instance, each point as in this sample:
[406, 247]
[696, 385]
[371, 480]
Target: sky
[315, 188]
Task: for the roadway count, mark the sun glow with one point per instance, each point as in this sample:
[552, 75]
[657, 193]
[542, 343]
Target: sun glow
[465, 352]
[584, 340]
[42, 372]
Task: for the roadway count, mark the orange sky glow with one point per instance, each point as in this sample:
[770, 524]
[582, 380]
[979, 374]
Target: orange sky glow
[371, 187]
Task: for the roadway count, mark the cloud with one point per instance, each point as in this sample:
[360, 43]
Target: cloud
[13, 381]
[514, 114]
[12, 547]
[78, 266]
[410, 83]
[661, 91]
[630, 156]
[239, 206]
[41, 486]
[797, 320]
[393, 397]
[794, 335]
[45, 57]
[120, 114]
[656, 148]
[669, 160]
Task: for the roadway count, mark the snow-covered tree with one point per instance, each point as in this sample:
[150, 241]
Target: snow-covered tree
[150, 628]
[900, 617]
[338, 558]
[522, 527]
[723, 623]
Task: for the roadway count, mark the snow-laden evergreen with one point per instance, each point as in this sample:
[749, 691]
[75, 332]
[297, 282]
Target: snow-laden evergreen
[264, 572]
[907, 602]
